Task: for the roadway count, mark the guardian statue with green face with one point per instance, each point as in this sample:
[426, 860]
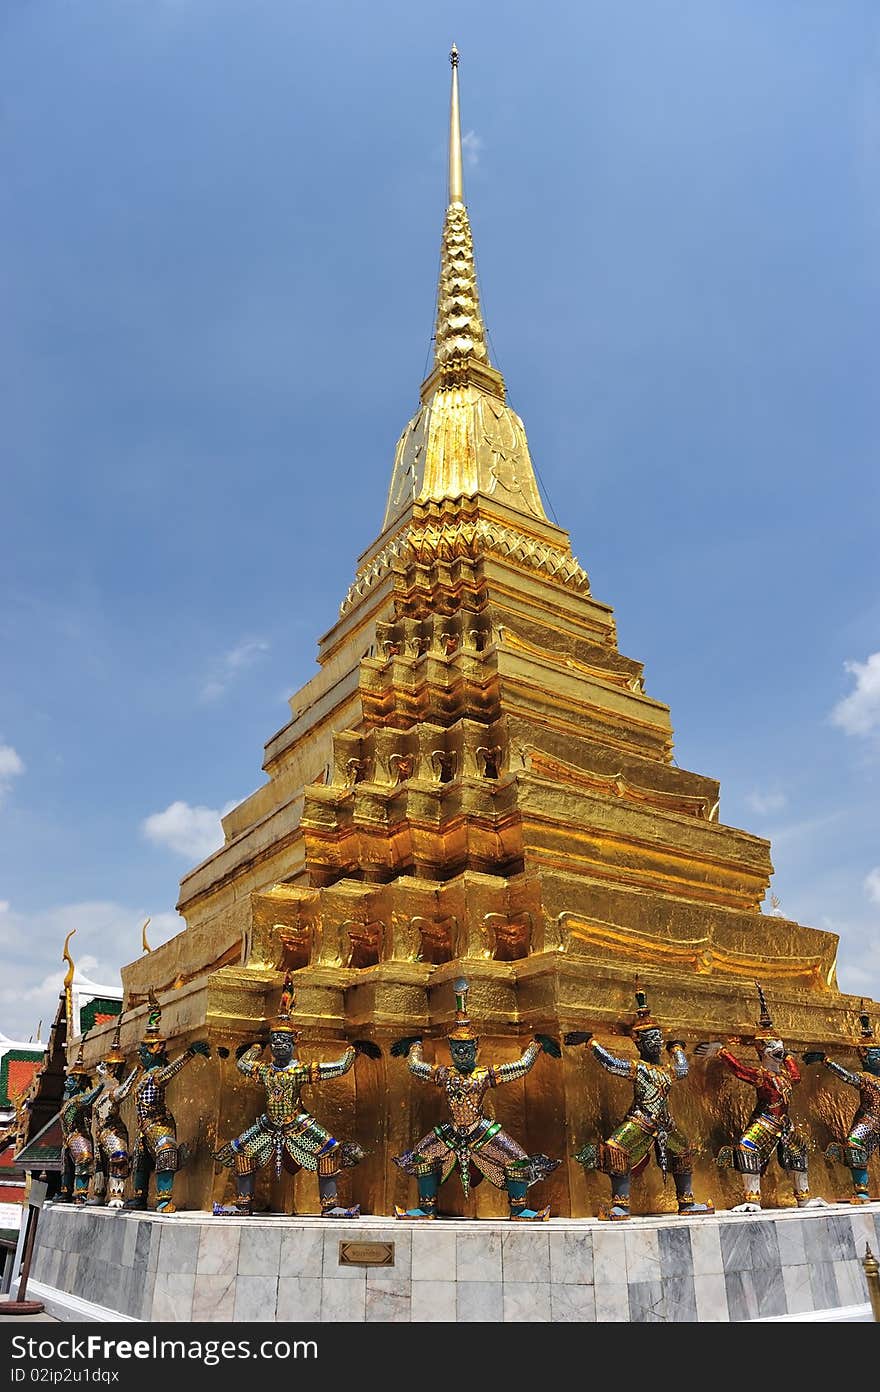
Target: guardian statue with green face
[470, 1137]
[863, 1139]
[648, 1126]
[155, 1146]
[286, 1134]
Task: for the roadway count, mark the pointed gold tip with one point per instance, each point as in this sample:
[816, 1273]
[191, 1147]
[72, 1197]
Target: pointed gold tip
[68, 985]
[456, 183]
[68, 979]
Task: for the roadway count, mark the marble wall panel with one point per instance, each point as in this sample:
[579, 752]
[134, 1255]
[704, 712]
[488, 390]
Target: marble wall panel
[256, 1298]
[259, 1251]
[214, 1297]
[173, 1296]
[571, 1258]
[302, 1252]
[708, 1270]
[344, 1301]
[433, 1254]
[480, 1302]
[572, 1303]
[433, 1301]
[526, 1302]
[299, 1298]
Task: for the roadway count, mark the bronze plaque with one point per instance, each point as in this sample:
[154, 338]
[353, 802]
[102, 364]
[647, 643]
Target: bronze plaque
[366, 1254]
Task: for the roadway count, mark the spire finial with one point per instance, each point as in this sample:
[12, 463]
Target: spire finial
[68, 985]
[766, 1020]
[459, 333]
[281, 1023]
[644, 1019]
[456, 184]
[464, 440]
[462, 1029]
[115, 1054]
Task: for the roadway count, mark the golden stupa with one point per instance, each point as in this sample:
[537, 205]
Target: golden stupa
[477, 782]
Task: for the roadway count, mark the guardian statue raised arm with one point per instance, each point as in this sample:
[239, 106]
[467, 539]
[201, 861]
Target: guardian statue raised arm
[648, 1125]
[155, 1146]
[112, 1150]
[77, 1149]
[286, 1133]
[470, 1137]
[770, 1130]
[864, 1131]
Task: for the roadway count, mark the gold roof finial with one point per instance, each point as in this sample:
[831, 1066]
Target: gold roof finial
[68, 986]
[464, 440]
[459, 335]
[456, 183]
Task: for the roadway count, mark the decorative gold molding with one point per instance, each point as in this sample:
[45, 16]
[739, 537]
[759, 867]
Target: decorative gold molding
[425, 543]
[617, 785]
[700, 954]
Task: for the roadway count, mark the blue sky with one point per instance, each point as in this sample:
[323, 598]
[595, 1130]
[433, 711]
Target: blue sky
[219, 228]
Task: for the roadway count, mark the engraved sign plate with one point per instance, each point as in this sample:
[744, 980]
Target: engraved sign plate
[366, 1254]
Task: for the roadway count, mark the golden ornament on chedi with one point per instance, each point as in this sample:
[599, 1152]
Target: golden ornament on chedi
[476, 781]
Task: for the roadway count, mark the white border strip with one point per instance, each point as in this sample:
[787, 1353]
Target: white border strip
[70, 1308]
[842, 1312]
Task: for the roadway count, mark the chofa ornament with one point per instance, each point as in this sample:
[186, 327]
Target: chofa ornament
[470, 1139]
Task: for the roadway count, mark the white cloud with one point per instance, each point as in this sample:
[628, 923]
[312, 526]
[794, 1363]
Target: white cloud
[193, 832]
[471, 146]
[763, 803]
[872, 885]
[859, 712]
[227, 668]
[108, 935]
[11, 766]
[858, 955]
[801, 834]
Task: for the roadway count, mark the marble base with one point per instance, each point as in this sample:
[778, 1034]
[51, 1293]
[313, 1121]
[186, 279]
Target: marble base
[730, 1267]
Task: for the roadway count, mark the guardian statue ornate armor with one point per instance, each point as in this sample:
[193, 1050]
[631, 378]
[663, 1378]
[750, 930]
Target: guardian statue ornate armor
[470, 1137]
[286, 1133]
[155, 1146]
[648, 1125]
[864, 1131]
[770, 1129]
[112, 1152]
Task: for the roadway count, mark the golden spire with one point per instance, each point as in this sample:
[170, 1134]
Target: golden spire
[459, 333]
[464, 440]
[456, 186]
